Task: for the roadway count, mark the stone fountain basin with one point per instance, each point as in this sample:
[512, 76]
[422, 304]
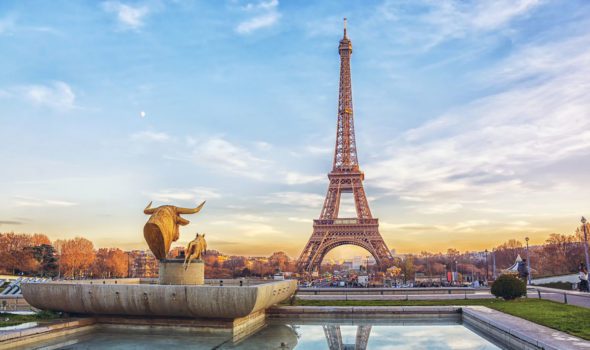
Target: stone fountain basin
[221, 302]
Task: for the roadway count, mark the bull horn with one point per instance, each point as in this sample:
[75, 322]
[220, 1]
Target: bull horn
[190, 210]
[149, 210]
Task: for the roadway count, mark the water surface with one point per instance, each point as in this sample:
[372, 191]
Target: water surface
[290, 334]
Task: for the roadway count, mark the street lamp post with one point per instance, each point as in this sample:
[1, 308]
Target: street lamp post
[585, 228]
[456, 276]
[494, 263]
[486, 266]
[528, 261]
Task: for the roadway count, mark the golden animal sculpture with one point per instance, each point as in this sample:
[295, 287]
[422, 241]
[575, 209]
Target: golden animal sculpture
[162, 227]
[195, 249]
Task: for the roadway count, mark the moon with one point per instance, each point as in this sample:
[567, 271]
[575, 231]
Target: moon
[142, 114]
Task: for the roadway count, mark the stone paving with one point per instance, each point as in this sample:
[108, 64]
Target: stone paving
[492, 321]
[573, 297]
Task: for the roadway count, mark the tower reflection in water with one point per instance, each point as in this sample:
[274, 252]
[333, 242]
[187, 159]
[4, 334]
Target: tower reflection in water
[285, 336]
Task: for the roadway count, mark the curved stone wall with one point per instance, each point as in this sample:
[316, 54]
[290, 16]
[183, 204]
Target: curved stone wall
[227, 302]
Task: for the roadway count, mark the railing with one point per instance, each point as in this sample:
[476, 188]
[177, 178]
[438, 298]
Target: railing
[383, 291]
[560, 294]
[346, 221]
[13, 303]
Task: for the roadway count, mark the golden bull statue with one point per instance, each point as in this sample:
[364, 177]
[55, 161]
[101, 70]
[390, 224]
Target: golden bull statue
[162, 227]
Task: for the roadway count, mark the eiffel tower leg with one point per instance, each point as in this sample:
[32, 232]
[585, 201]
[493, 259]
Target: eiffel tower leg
[360, 200]
[334, 337]
[332, 201]
[362, 337]
[304, 261]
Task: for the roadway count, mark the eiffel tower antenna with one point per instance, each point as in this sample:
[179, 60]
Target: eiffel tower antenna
[330, 231]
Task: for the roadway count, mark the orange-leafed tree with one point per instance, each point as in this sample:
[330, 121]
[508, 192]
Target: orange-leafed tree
[75, 256]
[110, 263]
[279, 261]
[17, 252]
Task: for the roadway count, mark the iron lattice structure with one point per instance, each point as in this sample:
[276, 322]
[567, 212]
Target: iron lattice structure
[334, 338]
[330, 231]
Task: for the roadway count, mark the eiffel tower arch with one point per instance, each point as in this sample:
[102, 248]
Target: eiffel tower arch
[331, 231]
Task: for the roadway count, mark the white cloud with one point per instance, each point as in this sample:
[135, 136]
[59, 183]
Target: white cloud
[196, 194]
[426, 24]
[150, 136]
[255, 229]
[57, 95]
[251, 218]
[263, 146]
[410, 227]
[262, 5]
[223, 155]
[267, 16]
[492, 14]
[24, 201]
[128, 16]
[469, 225]
[300, 199]
[294, 178]
[315, 150]
[298, 219]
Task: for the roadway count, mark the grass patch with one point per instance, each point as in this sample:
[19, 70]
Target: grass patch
[8, 319]
[566, 318]
[459, 302]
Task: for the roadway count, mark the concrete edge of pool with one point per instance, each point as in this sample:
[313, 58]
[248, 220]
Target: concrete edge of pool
[507, 330]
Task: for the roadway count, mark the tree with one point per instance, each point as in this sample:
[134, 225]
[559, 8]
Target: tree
[110, 263]
[246, 272]
[507, 252]
[408, 268]
[45, 255]
[76, 256]
[279, 261]
[17, 252]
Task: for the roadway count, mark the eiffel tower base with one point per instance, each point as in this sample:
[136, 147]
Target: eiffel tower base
[329, 234]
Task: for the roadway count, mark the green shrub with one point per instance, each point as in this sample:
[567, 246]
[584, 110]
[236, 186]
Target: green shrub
[508, 287]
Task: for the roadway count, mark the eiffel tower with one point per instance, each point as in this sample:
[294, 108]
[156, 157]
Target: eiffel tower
[330, 231]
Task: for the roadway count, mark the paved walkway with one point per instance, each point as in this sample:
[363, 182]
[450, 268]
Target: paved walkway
[493, 321]
[573, 297]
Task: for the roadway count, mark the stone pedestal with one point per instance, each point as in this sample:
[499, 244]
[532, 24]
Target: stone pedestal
[172, 272]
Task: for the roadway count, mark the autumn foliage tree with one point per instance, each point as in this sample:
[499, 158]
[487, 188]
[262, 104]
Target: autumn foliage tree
[279, 261]
[76, 256]
[17, 252]
[110, 263]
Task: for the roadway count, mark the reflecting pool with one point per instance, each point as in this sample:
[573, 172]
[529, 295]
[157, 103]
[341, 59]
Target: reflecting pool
[448, 333]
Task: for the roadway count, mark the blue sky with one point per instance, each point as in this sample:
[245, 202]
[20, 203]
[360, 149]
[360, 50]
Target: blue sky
[471, 117]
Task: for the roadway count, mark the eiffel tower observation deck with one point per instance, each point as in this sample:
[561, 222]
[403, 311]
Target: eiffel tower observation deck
[331, 231]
